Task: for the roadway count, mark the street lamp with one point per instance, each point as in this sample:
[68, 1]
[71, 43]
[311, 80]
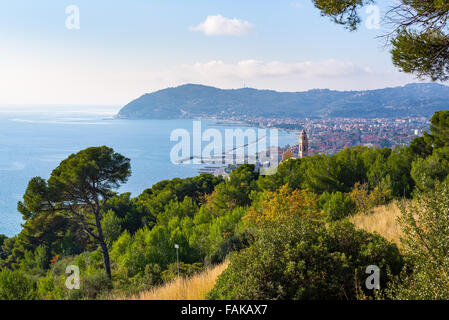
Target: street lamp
[177, 256]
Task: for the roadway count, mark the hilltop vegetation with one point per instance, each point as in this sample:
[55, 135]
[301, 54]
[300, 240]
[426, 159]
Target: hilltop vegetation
[190, 101]
[287, 235]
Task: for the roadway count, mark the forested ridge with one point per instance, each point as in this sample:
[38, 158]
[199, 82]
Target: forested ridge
[190, 101]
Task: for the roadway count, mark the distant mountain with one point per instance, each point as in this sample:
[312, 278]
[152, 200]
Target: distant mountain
[192, 101]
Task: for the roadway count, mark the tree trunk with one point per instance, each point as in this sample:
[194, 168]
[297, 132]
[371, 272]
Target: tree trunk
[104, 247]
[107, 263]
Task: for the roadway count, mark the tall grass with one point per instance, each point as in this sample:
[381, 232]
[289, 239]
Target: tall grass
[383, 220]
[193, 288]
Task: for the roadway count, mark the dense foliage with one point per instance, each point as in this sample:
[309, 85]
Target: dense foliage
[426, 240]
[281, 230]
[303, 261]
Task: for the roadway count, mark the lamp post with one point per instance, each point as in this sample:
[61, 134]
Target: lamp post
[177, 256]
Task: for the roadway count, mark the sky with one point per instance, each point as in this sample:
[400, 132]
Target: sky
[84, 52]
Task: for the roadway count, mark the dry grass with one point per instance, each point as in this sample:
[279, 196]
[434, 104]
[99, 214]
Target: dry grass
[382, 220]
[193, 288]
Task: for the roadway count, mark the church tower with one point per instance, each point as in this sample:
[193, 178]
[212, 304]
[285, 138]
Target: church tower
[303, 145]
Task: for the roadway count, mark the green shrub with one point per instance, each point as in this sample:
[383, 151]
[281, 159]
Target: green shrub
[51, 287]
[233, 243]
[425, 224]
[304, 261]
[428, 172]
[14, 285]
[95, 285]
[339, 206]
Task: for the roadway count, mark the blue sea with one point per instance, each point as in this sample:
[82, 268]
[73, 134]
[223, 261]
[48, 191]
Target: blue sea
[34, 143]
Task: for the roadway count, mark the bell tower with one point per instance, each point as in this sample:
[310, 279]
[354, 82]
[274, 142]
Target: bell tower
[303, 150]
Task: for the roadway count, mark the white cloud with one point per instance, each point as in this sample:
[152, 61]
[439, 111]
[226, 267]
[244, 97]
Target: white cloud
[286, 76]
[256, 68]
[219, 25]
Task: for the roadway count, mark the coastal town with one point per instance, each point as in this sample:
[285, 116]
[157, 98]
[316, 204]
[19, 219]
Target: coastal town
[330, 135]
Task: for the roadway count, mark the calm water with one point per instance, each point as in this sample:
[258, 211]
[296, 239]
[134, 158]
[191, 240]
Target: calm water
[33, 144]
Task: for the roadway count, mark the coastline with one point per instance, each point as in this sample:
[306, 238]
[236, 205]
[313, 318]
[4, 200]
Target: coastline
[146, 143]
